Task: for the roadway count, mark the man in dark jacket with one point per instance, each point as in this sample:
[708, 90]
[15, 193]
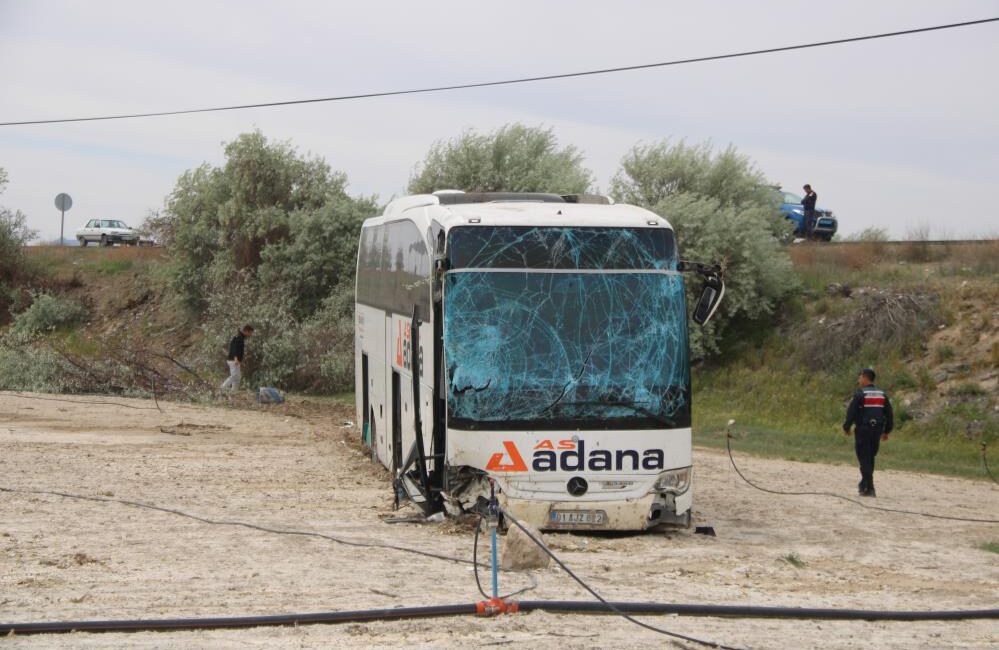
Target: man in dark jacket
[237, 350]
[870, 411]
[808, 207]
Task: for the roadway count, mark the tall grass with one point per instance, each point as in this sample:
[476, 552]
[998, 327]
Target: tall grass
[61, 261]
[798, 415]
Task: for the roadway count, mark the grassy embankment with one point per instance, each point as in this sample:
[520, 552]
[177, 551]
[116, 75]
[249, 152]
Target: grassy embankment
[943, 385]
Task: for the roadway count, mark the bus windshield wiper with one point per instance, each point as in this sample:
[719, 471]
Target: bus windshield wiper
[629, 404]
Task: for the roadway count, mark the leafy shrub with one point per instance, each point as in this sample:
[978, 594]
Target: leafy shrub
[515, 158]
[218, 222]
[652, 173]
[32, 369]
[723, 211]
[46, 313]
[319, 255]
[14, 234]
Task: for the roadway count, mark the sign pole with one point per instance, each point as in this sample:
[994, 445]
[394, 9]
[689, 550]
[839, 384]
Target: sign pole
[63, 202]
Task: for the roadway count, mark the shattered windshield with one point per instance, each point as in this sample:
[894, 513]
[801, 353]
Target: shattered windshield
[567, 346]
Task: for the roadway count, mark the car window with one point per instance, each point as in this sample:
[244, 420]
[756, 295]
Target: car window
[106, 224]
[790, 197]
[118, 224]
[90, 224]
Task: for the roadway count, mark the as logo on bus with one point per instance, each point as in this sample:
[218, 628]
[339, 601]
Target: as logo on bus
[572, 456]
[404, 347]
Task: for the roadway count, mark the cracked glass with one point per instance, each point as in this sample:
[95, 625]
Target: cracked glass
[565, 328]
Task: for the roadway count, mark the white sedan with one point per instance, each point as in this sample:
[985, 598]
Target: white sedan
[107, 232]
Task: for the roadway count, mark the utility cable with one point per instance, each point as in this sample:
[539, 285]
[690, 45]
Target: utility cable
[76, 401]
[728, 445]
[612, 607]
[985, 463]
[222, 522]
[519, 80]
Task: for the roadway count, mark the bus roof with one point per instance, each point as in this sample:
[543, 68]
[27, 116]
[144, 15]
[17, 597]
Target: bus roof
[424, 208]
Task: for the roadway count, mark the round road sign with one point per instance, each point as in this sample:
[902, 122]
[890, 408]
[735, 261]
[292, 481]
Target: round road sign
[64, 202]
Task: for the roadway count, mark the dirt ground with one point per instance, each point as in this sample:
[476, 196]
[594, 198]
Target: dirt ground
[298, 467]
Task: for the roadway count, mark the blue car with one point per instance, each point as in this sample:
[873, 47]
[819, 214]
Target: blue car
[825, 221]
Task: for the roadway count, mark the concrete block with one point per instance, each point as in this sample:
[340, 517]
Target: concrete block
[519, 553]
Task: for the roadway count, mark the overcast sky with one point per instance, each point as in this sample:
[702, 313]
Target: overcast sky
[899, 133]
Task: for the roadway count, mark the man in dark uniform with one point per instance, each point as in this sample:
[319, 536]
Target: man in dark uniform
[870, 411]
[808, 205]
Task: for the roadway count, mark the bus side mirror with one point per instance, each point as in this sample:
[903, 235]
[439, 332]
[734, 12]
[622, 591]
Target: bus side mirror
[707, 304]
[438, 280]
[714, 288]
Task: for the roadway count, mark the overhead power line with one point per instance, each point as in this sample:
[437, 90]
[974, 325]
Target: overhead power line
[510, 82]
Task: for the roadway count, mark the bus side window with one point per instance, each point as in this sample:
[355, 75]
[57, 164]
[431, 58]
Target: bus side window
[393, 269]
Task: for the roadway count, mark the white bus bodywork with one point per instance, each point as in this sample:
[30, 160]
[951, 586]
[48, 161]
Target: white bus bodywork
[633, 477]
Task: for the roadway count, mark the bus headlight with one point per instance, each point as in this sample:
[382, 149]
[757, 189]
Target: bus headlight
[675, 481]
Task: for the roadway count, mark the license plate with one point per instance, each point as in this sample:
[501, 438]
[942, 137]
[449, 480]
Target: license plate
[577, 517]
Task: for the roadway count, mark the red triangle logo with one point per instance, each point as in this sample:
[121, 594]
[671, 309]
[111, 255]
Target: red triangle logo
[516, 464]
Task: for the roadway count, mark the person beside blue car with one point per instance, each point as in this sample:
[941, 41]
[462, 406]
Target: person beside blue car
[822, 224]
[808, 206]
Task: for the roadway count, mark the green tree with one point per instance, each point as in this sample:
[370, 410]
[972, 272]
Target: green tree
[515, 158]
[320, 253]
[651, 173]
[219, 221]
[14, 234]
[269, 238]
[723, 211]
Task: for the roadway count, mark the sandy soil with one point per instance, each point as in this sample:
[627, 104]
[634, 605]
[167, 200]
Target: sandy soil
[299, 467]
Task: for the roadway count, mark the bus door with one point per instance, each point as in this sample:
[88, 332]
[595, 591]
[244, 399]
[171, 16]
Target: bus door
[396, 422]
[365, 407]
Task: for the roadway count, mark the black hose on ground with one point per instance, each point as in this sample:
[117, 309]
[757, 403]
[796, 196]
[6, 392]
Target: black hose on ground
[551, 606]
[753, 611]
[210, 623]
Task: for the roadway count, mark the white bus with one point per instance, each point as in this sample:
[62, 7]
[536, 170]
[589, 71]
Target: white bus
[534, 344]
